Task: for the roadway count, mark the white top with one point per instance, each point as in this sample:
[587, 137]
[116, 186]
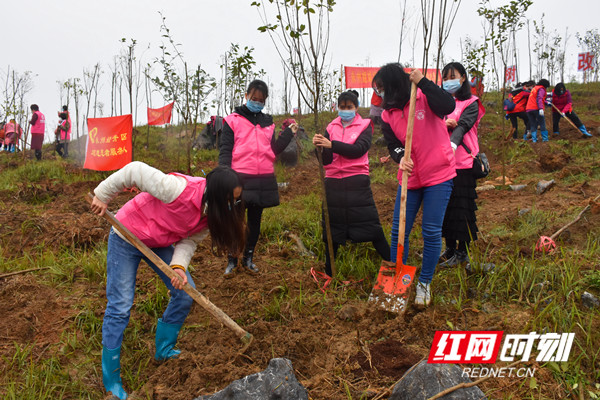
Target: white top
[164, 187]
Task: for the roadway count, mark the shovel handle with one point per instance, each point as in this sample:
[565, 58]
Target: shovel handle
[562, 114]
[404, 189]
[245, 336]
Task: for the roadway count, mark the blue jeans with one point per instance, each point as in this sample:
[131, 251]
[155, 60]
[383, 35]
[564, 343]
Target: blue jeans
[122, 261]
[434, 199]
[535, 120]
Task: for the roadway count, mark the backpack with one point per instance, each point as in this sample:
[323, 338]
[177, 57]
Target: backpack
[509, 105]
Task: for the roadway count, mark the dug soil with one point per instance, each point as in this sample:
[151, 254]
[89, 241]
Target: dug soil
[337, 347]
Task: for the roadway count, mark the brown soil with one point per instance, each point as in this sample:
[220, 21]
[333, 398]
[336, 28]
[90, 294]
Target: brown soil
[331, 346]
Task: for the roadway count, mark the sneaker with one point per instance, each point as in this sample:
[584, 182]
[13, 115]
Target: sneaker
[423, 297]
[447, 254]
[230, 269]
[458, 258]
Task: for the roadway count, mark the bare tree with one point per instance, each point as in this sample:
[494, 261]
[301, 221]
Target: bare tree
[446, 17]
[300, 34]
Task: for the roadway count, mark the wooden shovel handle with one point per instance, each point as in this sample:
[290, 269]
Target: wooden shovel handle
[403, 192]
[567, 118]
[246, 337]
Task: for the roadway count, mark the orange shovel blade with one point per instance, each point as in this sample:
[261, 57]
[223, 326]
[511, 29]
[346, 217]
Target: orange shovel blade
[391, 289]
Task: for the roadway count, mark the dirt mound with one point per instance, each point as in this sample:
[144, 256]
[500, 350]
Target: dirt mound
[390, 358]
[552, 160]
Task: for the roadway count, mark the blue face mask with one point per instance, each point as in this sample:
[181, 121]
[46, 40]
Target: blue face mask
[347, 115]
[451, 86]
[255, 106]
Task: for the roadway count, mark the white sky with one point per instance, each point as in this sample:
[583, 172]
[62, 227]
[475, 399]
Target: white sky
[57, 39]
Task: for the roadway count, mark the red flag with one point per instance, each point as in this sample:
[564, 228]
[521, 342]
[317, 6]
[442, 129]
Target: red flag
[160, 116]
[585, 61]
[511, 73]
[109, 143]
[361, 77]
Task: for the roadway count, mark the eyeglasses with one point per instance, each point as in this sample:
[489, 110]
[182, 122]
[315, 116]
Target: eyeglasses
[237, 202]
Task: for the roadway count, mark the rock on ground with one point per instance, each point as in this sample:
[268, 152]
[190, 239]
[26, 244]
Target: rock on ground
[274, 383]
[426, 380]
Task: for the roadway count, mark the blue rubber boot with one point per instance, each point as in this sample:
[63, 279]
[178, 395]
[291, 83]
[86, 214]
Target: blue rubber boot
[544, 136]
[111, 372]
[557, 133]
[534, 136]
[584, 131]
[166, 337]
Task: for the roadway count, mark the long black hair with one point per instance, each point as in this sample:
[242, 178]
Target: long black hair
[225, 214]
[395, 83]
[464, 92]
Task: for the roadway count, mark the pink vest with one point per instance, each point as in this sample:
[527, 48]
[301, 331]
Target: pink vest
[67, 133]
[10, 127]
[252, 153]
[431, 150]
[463, 159]
[40, 123]
[342, 167]
[70, 127]
[158, 224]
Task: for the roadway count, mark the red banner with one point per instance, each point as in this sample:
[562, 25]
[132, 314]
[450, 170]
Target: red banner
[362, 77]
[160, 116]
[109, 143]
[511, 73]
[585, 61]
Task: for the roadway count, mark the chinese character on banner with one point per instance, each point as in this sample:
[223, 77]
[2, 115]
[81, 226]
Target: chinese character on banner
[160, 116]
[295, 111]
[101, 154]
[585, 61]
[511, 73]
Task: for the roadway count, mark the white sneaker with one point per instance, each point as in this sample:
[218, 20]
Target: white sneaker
[423, 297]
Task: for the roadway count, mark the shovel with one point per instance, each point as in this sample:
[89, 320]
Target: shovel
[244, 336]
[565, 117]
[393, 283]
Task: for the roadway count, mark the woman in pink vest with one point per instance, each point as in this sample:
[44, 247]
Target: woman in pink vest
[172, 214]
[62, 135]
[460, 224]
[38, 128]
[431, 167]
[249, 145]
[13, 132]
[352, 212]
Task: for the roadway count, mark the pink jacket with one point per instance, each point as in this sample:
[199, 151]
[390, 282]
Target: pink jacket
[252, 153]
[463, 159]
[431, 150]
[342, 167]
[40, 124]
[158, 224]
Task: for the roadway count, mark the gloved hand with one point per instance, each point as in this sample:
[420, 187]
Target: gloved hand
[541, 112]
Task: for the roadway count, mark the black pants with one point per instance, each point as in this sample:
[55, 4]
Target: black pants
[38, 154]
[513, 120]
[60, 145]
[380, 243]
[571, 115]
[254, 214]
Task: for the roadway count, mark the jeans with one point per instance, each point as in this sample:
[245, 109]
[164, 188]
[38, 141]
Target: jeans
[535, 120]
[434, 199]
[122, 261]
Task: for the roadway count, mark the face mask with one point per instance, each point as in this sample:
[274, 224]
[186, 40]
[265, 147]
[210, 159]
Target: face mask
[451, 86]
[347, 115]
[254, 106]
[380, 94]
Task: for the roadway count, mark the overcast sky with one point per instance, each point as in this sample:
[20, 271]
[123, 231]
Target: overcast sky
[57, 39]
